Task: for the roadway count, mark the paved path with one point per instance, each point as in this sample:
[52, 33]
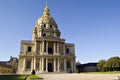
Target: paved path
[75, 76]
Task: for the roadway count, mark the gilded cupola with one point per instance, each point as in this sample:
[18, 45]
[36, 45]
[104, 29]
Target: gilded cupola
[46, 26]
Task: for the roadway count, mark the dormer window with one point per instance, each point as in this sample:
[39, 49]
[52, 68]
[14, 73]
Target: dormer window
[29, 49]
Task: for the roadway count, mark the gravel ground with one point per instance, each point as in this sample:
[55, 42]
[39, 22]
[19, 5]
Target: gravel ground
[75, 76]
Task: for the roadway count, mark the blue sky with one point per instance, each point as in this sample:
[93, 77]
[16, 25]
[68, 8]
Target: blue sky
[92, 25]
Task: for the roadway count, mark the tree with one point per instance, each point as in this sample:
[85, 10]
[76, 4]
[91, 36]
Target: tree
[113, 64]
[101, 64]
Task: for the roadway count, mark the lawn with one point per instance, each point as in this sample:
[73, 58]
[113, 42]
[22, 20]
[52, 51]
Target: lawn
[112, 72]
[35, 77]
[12, 77]
[18, 77]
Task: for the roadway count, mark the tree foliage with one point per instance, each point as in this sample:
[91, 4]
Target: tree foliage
[101, 64]
[112, 64]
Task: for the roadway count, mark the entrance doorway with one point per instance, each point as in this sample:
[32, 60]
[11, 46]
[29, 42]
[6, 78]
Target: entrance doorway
[50, 69]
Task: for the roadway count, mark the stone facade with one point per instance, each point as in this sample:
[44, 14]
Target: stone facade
[47, 52]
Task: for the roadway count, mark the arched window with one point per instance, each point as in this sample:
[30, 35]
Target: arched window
[29, 49]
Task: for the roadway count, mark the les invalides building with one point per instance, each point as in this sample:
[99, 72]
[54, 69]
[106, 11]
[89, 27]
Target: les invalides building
[47, 52]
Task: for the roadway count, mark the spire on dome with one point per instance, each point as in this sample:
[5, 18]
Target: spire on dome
[46, 4]
[46, 10]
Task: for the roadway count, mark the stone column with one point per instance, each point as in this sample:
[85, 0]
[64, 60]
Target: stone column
[42, 64]
[40, 48]
[58, 65]
[58, 47]
[72, 65]
[34, 63]
[63, 48]
[24, 64]
[40, 34]
[64, 64]
[46, 64]
[43, 47]
[47, 47]
[54, 47]
[35, 49]
[54, 64]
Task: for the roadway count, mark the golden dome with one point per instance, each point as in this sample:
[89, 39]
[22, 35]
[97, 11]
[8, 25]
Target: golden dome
[46, 18]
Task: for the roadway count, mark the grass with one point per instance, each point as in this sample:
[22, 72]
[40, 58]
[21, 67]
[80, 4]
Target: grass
[112, 72]
[12, 77]
[34, 77]
[18, 77]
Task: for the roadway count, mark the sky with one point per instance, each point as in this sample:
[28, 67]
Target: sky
[92, 25]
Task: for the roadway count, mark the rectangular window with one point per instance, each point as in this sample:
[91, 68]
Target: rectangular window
[67, 50]
[29, 49]
[68, 64]
[28, 64]
[50, 50]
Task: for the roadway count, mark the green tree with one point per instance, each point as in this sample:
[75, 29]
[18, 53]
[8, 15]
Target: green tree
[101, 64]
[113, 64]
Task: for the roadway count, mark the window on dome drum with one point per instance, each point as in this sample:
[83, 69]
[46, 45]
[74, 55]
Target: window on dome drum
[44, 35]
[51, 26]
[67, 50]
[68, 64]
[28, 64]
[29, 49]
[44, 25]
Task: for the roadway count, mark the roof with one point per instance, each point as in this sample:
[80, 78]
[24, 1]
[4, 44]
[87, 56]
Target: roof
[4, 64]
[89, 64]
